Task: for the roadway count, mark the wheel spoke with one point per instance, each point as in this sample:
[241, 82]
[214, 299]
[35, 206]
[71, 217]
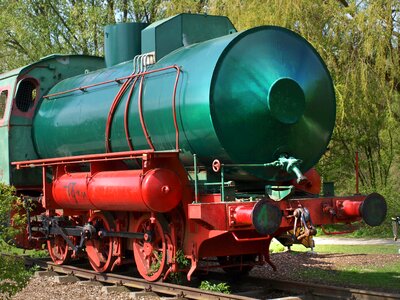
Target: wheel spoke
[58, 250]
[100, 251]
[150, 257]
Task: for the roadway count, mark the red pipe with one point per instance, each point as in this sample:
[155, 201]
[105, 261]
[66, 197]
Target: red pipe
[178, 72]
[126, 117]
[357, 175]
[140, 108]
[111, 112]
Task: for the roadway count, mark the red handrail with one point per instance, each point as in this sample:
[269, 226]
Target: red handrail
[86, 87]
[142, 121]
[111, 112]
[116, 80]
[126, 120]
[140, 108]
[125, 155]
[178, 72]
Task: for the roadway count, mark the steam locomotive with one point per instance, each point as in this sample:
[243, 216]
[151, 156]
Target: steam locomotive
[189, 141]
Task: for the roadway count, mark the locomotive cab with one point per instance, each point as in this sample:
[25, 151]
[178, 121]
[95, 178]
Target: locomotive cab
[21, 94]
[7, 82]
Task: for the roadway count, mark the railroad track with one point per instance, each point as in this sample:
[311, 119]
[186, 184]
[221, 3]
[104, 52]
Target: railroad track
[257, 288]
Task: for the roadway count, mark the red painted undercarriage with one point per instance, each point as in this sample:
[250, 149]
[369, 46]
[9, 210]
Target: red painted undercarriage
[110, 214]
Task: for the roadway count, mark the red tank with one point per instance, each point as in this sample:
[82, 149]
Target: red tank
[156, 190]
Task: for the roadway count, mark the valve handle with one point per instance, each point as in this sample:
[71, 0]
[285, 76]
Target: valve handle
[216, 165]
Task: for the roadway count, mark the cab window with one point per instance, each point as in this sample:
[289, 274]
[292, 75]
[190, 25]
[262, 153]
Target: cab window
[26, 95]
[3, 103]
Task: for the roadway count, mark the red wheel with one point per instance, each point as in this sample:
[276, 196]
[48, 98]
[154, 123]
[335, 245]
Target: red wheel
[100, 250]
[59, 250]
[150, 254]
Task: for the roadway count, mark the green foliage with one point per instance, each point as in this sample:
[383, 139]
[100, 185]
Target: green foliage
[183, 262]
[72, 27]
[185, 6]
[13, 276]
[8, 202]
[176, 278]
[155, 266]
[181, 259]
[367, 94]
[61, 26]
[12, 250]
[215, 287]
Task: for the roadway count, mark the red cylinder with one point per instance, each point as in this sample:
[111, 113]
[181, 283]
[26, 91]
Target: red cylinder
[158, 190]
[243, 215]
[352, 208]
[265, 217]
[372, 209]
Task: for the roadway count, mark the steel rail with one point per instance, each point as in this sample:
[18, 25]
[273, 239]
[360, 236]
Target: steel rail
[132, 282]
[306, 290]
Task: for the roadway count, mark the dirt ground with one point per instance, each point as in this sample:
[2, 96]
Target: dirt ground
[289, 266]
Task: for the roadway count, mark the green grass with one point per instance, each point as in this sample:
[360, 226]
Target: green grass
[9, 249]
[350, 249]
[387, 277]
[276, 247]
[362, 230]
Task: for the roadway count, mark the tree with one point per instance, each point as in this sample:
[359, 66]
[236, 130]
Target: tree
[31, 29]
[8, 202]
